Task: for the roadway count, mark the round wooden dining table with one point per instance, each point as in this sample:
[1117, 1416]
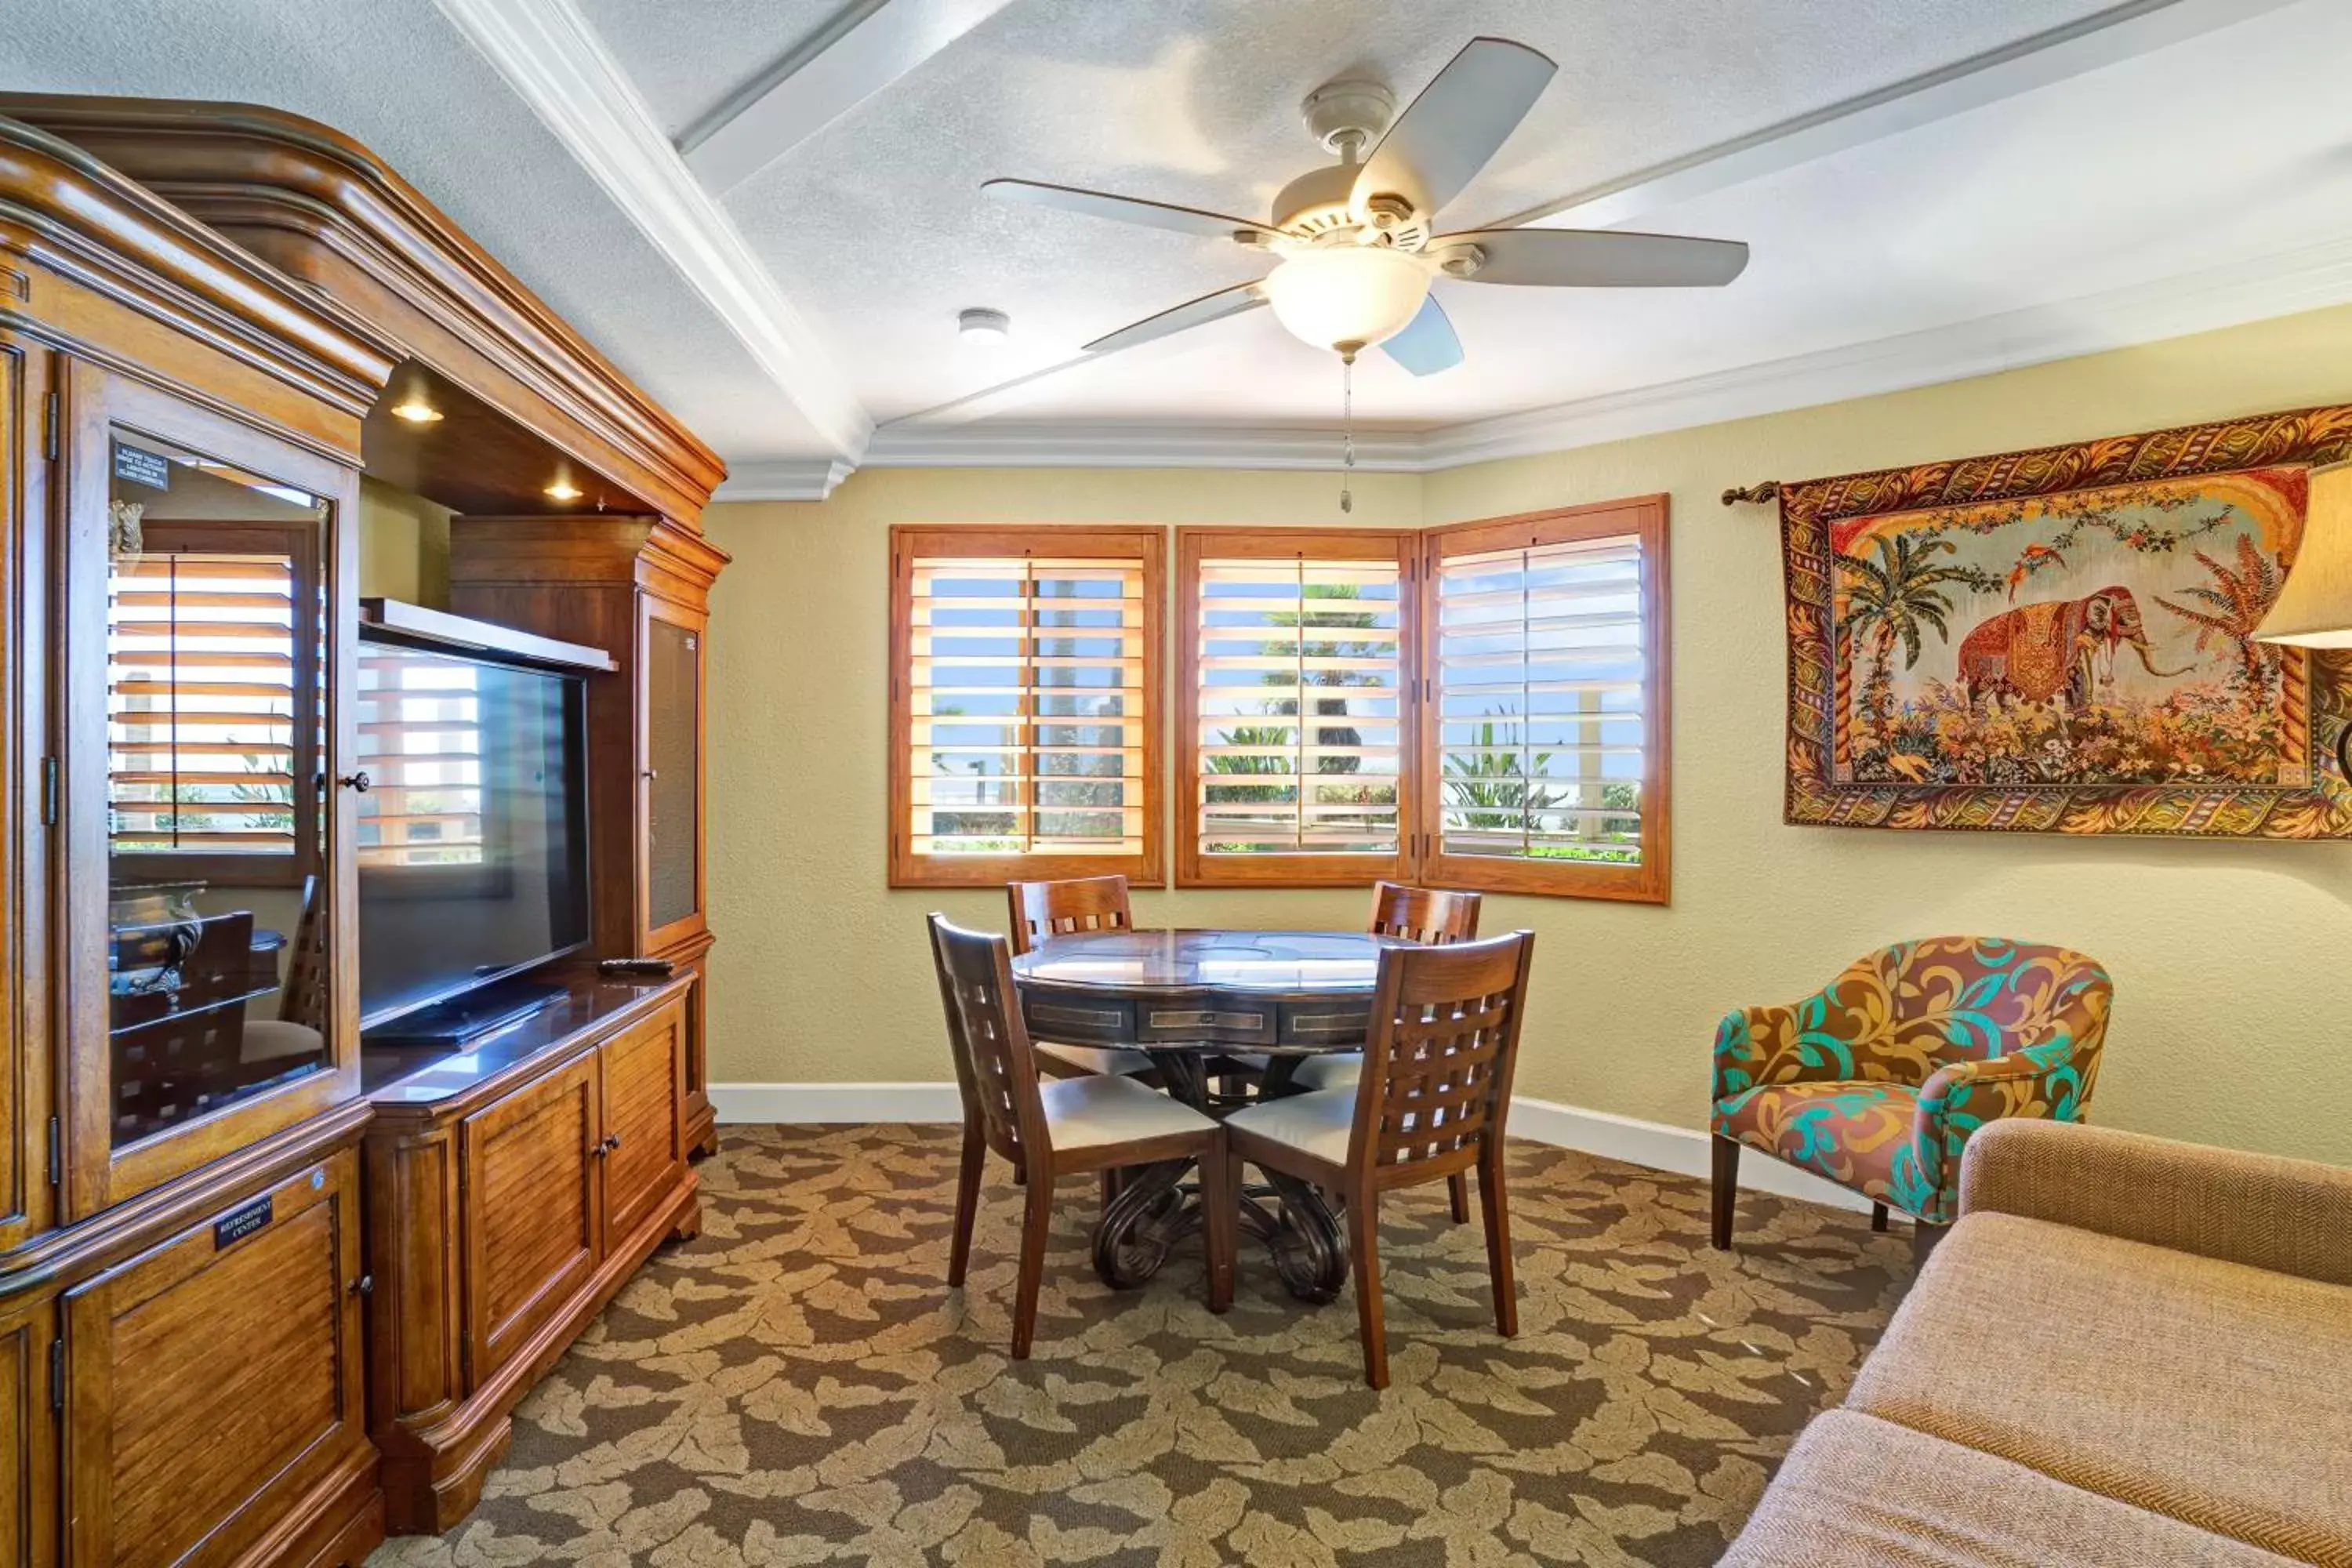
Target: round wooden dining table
[1195, 1001]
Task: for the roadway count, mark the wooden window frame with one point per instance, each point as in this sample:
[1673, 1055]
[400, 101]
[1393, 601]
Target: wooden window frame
[1643, 517]
[1309, 869]
[1147, 545]
[298, 541]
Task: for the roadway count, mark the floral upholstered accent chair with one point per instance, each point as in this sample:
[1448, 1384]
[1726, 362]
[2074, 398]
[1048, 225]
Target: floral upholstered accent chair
[1876, 1080]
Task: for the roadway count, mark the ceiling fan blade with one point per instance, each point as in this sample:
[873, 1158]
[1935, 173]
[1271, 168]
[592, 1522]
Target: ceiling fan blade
[1599, 258]
[1128, 209]
[1459, 122]
[1427, 344]
[1197, 313]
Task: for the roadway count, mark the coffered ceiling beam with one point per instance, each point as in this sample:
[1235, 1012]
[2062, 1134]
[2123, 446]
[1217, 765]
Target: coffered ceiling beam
[2104, 38]
[554, 60]
[866, 49]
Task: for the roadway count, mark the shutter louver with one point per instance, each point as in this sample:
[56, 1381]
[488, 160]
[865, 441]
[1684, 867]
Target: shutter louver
[1027, 713]
[1540, 690]
[424, 803]
[1299, 703]
[201, 704]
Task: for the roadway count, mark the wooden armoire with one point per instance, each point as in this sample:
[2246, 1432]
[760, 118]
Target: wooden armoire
[253, 1304]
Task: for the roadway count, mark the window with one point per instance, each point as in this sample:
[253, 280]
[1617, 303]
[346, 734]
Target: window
[1545, 742]
[1291, 748]
[1024, 703]
[212, 718]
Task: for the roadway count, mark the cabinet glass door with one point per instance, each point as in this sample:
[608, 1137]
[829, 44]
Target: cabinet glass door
[672, 773]
[201, 629]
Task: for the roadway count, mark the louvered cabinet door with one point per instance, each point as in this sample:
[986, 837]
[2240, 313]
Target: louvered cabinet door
[533, 1219]
[645, 1084]
[28, 1436]
[215, 1382]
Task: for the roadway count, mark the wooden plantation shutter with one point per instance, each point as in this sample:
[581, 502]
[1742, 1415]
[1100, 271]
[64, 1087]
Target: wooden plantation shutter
[1294, 729]
[211, 724]
[1546, 744]
[1025, 704]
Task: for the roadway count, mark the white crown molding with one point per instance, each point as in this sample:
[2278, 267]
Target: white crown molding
[1117, 445]
[2228, 296]
[783, 478]
[551, 58]
[1681, 1150]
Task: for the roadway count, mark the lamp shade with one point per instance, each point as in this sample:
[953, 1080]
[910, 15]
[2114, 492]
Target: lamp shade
[1348, 296]
[2314, 609]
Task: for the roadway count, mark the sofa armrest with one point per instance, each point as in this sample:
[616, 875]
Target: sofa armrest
[2292, 1217]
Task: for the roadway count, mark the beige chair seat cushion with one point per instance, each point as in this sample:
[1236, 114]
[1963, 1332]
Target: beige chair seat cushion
[1338, 1069]
[2216, 1393]
[1859, 1492]
[1316, 1123]
[1103, 1059]
[268, 1040]
[1087, 1112]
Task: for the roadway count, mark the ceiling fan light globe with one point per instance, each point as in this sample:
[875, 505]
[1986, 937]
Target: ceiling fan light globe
[1354, 294]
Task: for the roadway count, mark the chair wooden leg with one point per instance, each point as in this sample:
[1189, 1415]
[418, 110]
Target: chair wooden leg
[1878, 1219]
[1036, 1220]
[1457, 1191]
[1924, 1237]
[1364, 1245]
[1726, 1190]
[1220, 1185]
[1111, 1184]
[967, 1209]
[1495, 1200]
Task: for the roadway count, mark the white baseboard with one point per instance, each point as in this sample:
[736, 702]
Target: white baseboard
[1680, 1149]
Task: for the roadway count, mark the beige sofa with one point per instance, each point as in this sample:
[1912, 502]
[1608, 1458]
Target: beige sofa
[2127, 1352]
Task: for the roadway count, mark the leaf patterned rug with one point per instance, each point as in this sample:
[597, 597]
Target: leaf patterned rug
[799, 1387]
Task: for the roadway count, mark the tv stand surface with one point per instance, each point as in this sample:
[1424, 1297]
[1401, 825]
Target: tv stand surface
[514, 1187]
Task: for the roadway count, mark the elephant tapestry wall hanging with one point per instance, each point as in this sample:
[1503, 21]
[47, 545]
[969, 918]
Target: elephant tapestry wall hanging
[2060, 641]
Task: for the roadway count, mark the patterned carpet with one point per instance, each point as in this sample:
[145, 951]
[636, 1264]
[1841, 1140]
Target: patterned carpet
[798, 1386]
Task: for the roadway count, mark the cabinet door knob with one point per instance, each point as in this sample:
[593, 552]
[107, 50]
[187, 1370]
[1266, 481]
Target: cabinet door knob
[612, 1142]
[363, 1286]
[652, 773]
[358, 784]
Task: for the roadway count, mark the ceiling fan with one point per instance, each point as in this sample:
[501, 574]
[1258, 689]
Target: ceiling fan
[1357, 243]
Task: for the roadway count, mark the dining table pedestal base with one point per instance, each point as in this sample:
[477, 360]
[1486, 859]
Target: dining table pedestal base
[1158, 1207]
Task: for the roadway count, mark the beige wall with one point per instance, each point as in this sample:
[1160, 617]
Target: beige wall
[404, 546]
[2226, 957]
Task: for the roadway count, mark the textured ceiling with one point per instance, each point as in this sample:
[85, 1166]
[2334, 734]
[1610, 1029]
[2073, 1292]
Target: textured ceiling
[2218, 153]
[395, 73]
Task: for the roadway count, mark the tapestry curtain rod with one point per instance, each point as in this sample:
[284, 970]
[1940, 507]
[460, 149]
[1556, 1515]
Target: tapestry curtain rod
[1767, 491]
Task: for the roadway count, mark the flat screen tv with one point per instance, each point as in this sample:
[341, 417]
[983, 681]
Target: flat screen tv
[473, 833]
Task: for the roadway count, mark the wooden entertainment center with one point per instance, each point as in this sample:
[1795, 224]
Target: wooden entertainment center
[265, 1293]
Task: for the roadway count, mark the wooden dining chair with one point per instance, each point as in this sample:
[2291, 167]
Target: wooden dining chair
[1434, 917]
[1436, 1089]
[1048, 1131]
[1064, 907]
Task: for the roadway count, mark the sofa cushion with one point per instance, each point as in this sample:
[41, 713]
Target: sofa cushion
[1859, 1492]
[2215, 1392]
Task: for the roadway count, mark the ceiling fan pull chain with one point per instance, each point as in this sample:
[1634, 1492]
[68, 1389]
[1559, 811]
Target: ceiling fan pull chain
[1347, 429]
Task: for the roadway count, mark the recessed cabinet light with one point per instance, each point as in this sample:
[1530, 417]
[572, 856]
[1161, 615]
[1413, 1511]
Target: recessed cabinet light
[983, 326]
[563, 489]
[417, 411]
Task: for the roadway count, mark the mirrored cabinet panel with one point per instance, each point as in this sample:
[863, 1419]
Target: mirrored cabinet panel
[215, 760]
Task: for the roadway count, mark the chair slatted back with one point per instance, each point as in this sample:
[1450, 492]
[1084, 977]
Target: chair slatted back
[996, 1071]
[1042, 910]
[304, 998]
[1431, 915]
[1438, 1061]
